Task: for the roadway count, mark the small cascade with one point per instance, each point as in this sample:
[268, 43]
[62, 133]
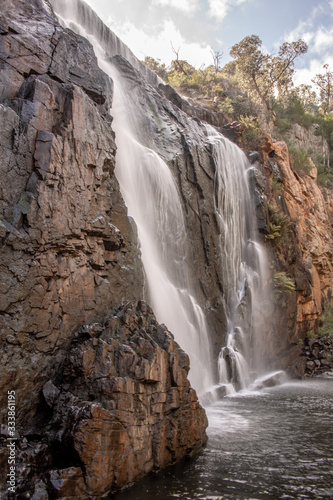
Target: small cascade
[243, 265]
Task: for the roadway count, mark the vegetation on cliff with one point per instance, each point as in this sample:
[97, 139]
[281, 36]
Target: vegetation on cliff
[256, 89]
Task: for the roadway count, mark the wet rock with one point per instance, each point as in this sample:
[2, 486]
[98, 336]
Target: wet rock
[233, 131]
[310, 366]
[318, 353]
[269, 380]
[69, 252]
[124, 407]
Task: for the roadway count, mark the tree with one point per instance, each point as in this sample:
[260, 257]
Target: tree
[157, 66]
[325, 83]
[264, 74]
[306, 95]
[217, 56]
[180, 65]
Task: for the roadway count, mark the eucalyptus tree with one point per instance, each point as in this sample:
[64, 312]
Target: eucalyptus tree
[265, 75]
[324, 81]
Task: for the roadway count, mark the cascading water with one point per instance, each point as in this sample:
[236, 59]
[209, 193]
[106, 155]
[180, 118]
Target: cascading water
[243, 263]
[153, 201]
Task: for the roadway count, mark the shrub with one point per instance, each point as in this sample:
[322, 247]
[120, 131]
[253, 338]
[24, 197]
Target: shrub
[300, 159]
[326, 321]
[276, 185]
[324, 174]
[282, 283]
[279, 224]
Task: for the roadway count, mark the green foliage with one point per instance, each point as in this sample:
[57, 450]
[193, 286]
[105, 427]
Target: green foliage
[157, 66]
[252, 134]
[274, 231]
[326, 321]
[290, 111]
[264, 74]
[256, 77]
[300, 159]
[279, 224]
[325, 177]
[324, 82]
[326, 129]
[282, 284]
[225, 106]
[310, 334]
[276, 185]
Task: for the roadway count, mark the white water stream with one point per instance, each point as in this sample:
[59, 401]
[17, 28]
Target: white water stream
[152, 198]
[244, 267]
[153, 201]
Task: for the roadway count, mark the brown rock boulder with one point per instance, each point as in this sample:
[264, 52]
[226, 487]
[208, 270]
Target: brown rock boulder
[120, 406]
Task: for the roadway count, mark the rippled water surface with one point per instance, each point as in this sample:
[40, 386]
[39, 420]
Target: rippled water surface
[272, 444]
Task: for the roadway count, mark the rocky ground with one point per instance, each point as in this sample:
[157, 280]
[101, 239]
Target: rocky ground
[319, 355]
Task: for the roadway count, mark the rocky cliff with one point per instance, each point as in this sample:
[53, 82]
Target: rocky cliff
[69, 256]
[300, 248]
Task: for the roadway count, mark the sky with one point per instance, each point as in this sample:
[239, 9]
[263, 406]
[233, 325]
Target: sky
[195, 28]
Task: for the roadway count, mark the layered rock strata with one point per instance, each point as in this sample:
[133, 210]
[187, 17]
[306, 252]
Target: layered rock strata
[120, 406]
[68, 249]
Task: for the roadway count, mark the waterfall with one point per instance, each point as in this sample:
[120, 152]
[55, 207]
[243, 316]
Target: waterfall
[243, 265]
[153, 201]
[152, 198]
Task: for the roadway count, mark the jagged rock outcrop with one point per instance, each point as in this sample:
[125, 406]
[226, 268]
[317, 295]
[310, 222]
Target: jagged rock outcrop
[318, 352]
[308, 140]
[120, 406]
[303, 250]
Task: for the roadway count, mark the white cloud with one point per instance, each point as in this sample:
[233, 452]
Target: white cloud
[315, 66]
[218, 9]
[158, 46]
[188, 6]
[323, 40]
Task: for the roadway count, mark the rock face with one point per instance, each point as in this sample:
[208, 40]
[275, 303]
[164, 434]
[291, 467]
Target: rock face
[68, 249]
[304, 251]
[306, 139]
[69, 255]
[119, 407]
[318, 353]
